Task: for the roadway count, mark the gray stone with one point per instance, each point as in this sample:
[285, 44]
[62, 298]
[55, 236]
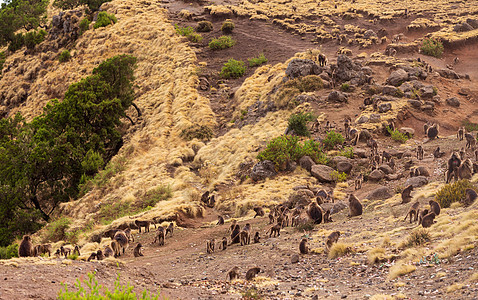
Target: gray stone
[362, 119]
[436, 99]
[427, 92]
[302, 67]
[380, 193]
[462, 27]
[386, 169]
[369, 34]
[389, 90]
[306, 162]
[294, 258]
[336, 96]
[376, 175]
[375, 118]
[406, 87]
[361, 153]
[397, 77]
[322, 173]
[301, 197]
[453, 101]
[384, 107]
[345, 167]
[450, 74]
[408, 131]
[417, 181]
[263, 170]
[428, 107]
[348, 70]
[473, 23]
[325, 76]
[415, 103]
[302, 98]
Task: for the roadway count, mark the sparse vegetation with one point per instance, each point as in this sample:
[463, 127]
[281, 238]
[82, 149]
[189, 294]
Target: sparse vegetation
[470, 126]
[332, 139]
[250, 294]
[397, 135]
[64, 56]
[189, 33]
[307, 226]
[9, 251]
[222, 42]
[418, 237]
[114, 210]
[432, 47]
[96, 291]
[453, 192]
[338, 177]
[84, 25]
[257, 61]
[227, 26]
[347, 152]
[339, 249]
[204, 26]
[154, 196]
[2, 60]
[345, 87]
[56, 230]
[400, 269]
[199, 132]
[233, 69]
[298, 123]
[33, 38]
[104, 19]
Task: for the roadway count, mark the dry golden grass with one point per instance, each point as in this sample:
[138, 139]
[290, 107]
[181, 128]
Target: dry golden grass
[454, 287]
[340, 249]
[473, 277]
[400, 269]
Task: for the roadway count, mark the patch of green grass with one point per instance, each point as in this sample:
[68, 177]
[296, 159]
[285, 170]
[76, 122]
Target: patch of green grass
[104, 19]
[112, 211]
[154, 196]
[338, 177]
[73, 256]
[345, 87]
[227, 26]
[347, 152]
[257, 61]
[470, 126]
[64, 56]
[56, 230]
[332, 139]
[189, 33]
[222, 42]
[9, 251]
[298, 123]
[233, 69]
[101, 178]
[432, 47]
[84, 25]
[397, 136]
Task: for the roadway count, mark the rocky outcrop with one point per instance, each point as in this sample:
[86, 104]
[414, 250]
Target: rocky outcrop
[302, 67]
[322, 173]
[262, 170]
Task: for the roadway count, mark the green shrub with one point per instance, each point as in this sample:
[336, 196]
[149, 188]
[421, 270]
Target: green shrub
[332, 139]
[104, 19]
[154, 196]
[96, 291]
[112, 211]
[345, 87]
[227, 27]
[84, 25]
[418, 237]
[199, 132]
[17, 42]
[432, 47]
[298, 123]
[338, 177]
[56, 230]
[204, 26]
[93, 5]
[64, 56]
[453, 192]
[397, 136]
[9, 251]
[284, 149]
[3, 56]
[222, 42]
[257, 61]
[189, 33]
[101, 178]
[347, 152]
[73, 256]
[470, 126]
[233, 69]
[33, 38]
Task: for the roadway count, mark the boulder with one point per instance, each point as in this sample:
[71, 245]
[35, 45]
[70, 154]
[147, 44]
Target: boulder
[334, 207]
[386, 169]
[348, 70]
[407, 131]
[380, 193]
[362, 119]
[473, 23]
[417, 181]
[361, 153]
[294, 258]
[406, 87]
[384, 107]
[303, 98]
[370, 34]
[462, 27]
[302, 67]
[306, 162]
[375, 118]
[262, 170]
[376, 175]
[300, 197]
[427, 92]
[453, 101]
[322, 173]
[450, 74]
[415, 103]
[344, 166]
[389, 90]
[397, 77]
[336, 96]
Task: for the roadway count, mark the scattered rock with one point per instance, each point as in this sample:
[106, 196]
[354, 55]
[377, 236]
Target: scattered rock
[370, 34]
[348, 70]
[345, 167]
[427, 92]
[450, 74]
[300, 197]
[336, 96]
[380, 193]
[415, 103]
[384, 107]
[406, 87]
[376, 175]
[408, 131]
[389, 90]
[453, 101]
[322, 173]
[473, 23]
[302, 67]
[302, 98]
[386, 169]
[417, 181]
[262, 170]
[462, 27]
[362, 119]
[397, 77]
[306, 162]
[375, 118]
[361, 153]
[294, 258]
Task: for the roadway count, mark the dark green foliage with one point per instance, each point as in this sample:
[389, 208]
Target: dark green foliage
[233, 69]
[397, 135]
[93, 5]
[432, 47]
[9, 251]
[305, 227]
[453, 192]
[227, 27]
[104, 19]
[16, 42]
[338, 177]
[101, 179]
[199, 132]
[84, 25]
[64, 56]
[284, 149]
[56, 230]
[332, 139]
[470, 126]
[222, 42]
[42, 162]
[257, 61]
[96, 291]
[345, 87]
[298, 123]
[3, 56]
[204, 26]
[33, 38]
[189, 33]
[114, 210]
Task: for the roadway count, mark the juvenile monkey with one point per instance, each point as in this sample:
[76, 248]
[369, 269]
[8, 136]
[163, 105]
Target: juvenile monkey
[65, 251]
[453, 163]
[373, 144]
[138, 250]
[99, 255]
[144, 224]
[251, 273]
[462, 153]
[42, 249]
[386, 156]
[169, 229]
[223, 244]
[129, 235]
[271, 217]
[274, 230]
[160, 235]
[76, 250]
[406, 198]
[315, 212]
[210, 246]
[420, 152]
[413, 212]
[108, 251]
[322, 60]
[259, 211]
[233, 273]
[470, 197]
[421, 215]
[115, 246]
[358, 181]
[437, 153]
[460, 134]
[26, 247]
[355, 206]
[245, 235]
[428, 220]
[92, 256]
[304, 246]
[434, 207]
[332, 239]
[327, 218]
[220, 220]
[257, 237]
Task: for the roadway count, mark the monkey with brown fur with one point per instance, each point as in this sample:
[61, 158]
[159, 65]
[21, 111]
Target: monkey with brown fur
[233, 226]
[129, 235]
[26, 247]
[315, 212]
[428, 220]
[332, 239]
[160, 236]
[235, 238]
[435, 207]
[144, 224]
[110, 233]
[460, 133]
[420, 152]
[169, 229]
[358, 181]
[42, 249]
[251, 273]
[108, 251]
[327, 218]
[271, 217]
[470, 197]
[470, 141]
[386, 156]
[355, 206]
[210, 245]
[406, 198]
[76, 250]
[304, 246]
[259, 211]
[220, 220]
[257, 238]
[437, 153]
[421, 215]
[233, 274]
[413, 212]
[452, 167]
[223, 244]
[122, 239]
[115, 246]
[274, 230]
[92, 256]
[65, 251]
[138, 250]
[432, 131]
[99, 255]
[462, 154]
[245, 235]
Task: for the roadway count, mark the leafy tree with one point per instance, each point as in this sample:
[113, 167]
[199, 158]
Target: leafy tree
[93, 5]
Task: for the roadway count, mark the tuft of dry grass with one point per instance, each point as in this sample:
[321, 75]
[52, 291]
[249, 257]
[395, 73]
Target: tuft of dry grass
[340, 249]
[376, 255]
[454, 287]
[400, 269]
